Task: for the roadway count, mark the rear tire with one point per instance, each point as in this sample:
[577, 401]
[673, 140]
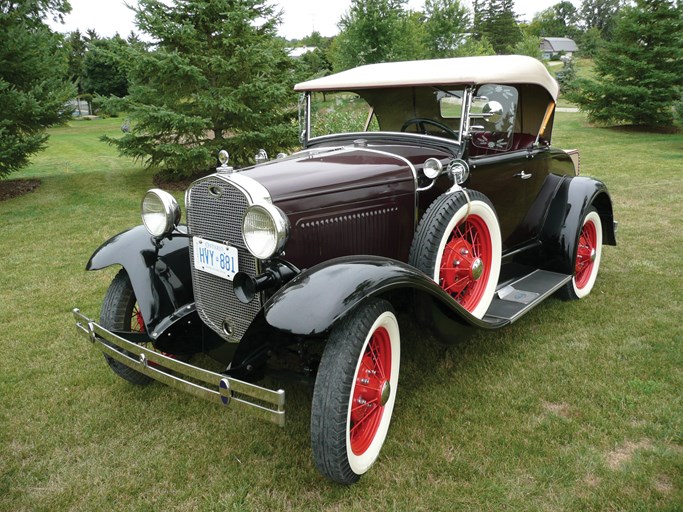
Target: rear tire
[355, 391]
[120, 312]
[587, 259]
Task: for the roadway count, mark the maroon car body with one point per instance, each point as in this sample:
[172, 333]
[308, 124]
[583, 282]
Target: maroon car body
[449, 201]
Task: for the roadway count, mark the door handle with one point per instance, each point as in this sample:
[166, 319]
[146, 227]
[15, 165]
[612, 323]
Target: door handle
[523, 175]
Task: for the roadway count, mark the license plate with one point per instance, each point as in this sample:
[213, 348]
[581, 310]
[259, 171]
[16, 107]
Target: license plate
[217, 259]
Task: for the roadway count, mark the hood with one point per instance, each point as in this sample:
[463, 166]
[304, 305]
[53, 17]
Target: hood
[329, 170]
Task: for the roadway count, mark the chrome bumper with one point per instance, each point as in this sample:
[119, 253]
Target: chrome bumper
[215, 387]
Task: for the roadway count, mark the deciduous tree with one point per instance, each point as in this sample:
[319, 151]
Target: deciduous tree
[372, 31]
[446, 26]
[600, 14]
[560, 20]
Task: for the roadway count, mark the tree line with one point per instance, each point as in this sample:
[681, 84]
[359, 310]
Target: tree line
[216, 74]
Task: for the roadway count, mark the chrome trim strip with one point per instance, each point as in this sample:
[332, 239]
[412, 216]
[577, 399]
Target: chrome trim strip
[211, 386]
[308, 118]
[360, 135]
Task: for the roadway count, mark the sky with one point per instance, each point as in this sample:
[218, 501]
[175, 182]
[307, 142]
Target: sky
[300, 17]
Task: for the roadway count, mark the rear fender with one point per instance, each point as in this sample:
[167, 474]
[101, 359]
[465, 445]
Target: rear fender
[316, 299]
[562, 225]
[159, 271]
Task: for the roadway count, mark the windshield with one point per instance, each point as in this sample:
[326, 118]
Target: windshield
[423, 110]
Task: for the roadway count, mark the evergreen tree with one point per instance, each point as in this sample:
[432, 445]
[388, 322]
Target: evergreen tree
[496, 20]
[372, 31]
[590, 42]
[104, 67]
[640, 72]
[217, 78]
[75, 45]
[33, 87]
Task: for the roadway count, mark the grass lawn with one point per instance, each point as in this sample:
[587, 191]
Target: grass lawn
[578, 406]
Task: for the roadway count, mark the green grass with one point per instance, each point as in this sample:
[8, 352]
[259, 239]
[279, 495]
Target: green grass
[578, 406]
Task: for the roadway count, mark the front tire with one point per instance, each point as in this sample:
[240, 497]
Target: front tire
[587, 259]
[458, 244]
[355, 392]
[120, 312]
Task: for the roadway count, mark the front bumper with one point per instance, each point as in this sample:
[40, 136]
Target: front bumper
[215, 387]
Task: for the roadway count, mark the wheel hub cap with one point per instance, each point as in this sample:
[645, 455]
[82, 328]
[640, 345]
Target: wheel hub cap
[477, 269]
[385, 394]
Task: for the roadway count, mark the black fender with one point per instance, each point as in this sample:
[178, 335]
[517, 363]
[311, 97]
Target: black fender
[560, 232]
[317, 298]
[159, 271]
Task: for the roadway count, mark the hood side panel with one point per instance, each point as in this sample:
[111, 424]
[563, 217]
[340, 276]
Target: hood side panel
[341, 202]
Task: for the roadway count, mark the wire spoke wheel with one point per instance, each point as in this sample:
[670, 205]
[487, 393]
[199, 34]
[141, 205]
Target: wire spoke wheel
[466, 262]
[587, 258]
[355, 392]
[121, 312]
[585, 254]
[458, 244]
[371, 390]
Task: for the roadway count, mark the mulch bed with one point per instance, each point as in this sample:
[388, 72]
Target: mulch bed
[16, 188]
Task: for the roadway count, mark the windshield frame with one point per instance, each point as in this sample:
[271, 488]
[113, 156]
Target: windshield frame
[305, 121]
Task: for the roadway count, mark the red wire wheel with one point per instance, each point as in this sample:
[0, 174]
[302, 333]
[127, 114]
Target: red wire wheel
[585, 254]
[466, 262]
[587, 258]
[371, 391]
[355, 391]
[458, 244]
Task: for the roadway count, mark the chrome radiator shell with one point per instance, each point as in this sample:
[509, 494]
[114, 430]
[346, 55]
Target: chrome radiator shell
[215, 207]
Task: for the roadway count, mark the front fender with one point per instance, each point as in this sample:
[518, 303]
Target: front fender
[317, 298]
[561, 229]
[159, 272]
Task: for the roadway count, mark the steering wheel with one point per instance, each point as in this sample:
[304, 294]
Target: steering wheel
[422, 121]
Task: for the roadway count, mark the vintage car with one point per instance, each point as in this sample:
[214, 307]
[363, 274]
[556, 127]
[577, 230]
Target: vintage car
[447, 202]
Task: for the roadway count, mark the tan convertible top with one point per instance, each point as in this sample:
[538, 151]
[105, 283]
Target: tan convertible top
[503, 69]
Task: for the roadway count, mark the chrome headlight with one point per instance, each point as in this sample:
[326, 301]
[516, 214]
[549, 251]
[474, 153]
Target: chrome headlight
[265, 229]
[432, 168]
[160, 212]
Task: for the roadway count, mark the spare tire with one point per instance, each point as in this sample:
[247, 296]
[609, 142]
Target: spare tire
[458, 244]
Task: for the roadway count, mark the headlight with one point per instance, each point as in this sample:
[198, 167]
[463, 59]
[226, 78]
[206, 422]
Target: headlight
[160, 212]
[265, 230]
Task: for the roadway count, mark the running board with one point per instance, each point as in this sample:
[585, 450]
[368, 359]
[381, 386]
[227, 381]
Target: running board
[520, 297]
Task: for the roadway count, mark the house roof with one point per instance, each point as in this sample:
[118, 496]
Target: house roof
[505, 69]
[560, 44]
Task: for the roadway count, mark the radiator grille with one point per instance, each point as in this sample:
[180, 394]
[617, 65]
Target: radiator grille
[219, 218]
